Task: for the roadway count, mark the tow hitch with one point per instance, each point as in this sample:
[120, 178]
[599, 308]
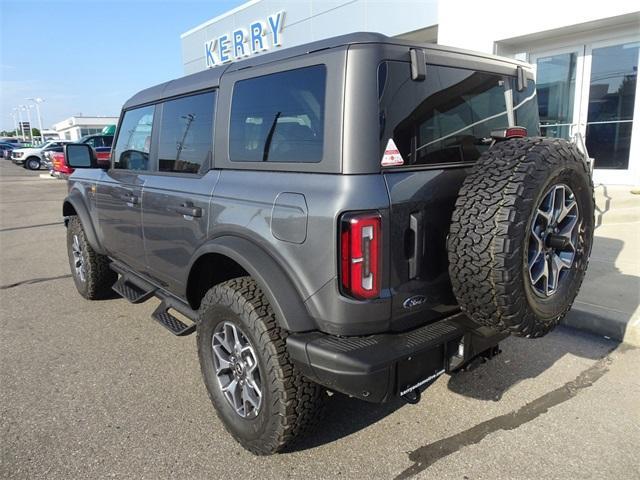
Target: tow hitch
[457, 355]
[413, 394]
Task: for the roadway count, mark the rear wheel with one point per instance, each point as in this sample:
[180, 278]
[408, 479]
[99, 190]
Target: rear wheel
[260, 396]
[32, 163]
[90, 270]
[521, 235]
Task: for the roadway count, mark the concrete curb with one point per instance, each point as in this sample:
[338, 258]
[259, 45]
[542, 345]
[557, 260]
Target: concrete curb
[605, 323]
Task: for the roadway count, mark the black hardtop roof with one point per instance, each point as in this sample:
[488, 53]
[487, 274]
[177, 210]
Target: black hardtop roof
[210, 78]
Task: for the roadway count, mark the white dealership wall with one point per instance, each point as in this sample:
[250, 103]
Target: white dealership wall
[521, 30]
[477, 25]
[72, 128]
[309, 20]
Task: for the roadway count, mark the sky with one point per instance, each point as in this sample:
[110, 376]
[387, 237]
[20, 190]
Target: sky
[89, 56]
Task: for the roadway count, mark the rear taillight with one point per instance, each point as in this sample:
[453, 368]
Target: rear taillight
[360, 249]
[509, 132]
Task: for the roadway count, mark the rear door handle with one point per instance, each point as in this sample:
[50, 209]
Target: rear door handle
[415, 262]
[188, 209]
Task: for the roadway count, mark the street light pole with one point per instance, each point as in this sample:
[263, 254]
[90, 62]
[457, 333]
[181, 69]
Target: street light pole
[37, 101]
[19, 108]
[28, 109]
[15, 122]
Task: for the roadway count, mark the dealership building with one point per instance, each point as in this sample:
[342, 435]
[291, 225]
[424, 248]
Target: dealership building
[76, 127]
[585, 54]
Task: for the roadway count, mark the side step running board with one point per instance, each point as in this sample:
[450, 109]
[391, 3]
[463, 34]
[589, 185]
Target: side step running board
[131, 291]
[171, 323]
[138, 290]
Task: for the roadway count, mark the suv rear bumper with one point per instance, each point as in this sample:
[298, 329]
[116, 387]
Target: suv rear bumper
[378, 367]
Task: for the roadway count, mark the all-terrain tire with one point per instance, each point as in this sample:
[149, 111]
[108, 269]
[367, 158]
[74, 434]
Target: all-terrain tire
[488, 243]
[291, 405]
[98, 277]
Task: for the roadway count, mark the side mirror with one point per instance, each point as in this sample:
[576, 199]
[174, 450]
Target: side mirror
[80, 155]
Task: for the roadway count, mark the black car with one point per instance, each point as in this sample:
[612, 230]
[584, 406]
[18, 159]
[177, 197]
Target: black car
[97, 140]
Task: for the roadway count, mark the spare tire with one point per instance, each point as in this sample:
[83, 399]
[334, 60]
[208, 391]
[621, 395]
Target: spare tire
[521, 235]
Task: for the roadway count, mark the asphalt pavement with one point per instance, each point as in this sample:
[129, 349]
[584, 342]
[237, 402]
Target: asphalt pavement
[99, 390]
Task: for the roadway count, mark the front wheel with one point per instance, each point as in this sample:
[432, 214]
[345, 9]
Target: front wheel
[33, 163]
[90, 270]
[260, 396]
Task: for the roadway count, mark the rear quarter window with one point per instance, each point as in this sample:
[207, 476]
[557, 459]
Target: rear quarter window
[279, 117]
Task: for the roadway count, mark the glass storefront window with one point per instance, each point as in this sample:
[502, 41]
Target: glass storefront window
[556, 81]
[612, 90]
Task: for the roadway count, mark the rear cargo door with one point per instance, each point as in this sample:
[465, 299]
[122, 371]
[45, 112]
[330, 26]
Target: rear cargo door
[439, 127]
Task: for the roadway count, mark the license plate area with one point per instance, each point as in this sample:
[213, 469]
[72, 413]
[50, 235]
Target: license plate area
[420, 369]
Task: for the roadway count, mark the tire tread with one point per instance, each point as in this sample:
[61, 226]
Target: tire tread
[487, 232]
[297, 401]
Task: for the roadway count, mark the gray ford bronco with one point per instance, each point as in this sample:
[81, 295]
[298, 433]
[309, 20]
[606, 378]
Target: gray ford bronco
[357, 215]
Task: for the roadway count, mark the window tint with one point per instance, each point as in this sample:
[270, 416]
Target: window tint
[93, 141]
[186, 133]
[107, 140]
[279, 117]
[447, 117]
[525, 106]
[134, 139]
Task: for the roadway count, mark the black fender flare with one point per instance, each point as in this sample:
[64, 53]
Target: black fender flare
[75, 200]
[285, 299]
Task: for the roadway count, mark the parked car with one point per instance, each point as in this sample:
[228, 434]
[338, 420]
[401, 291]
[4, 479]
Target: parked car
[58, 166]
[47, 161]
[33, 157]
[5, 149]
[373, 213]
[97, 140]
[12, 140]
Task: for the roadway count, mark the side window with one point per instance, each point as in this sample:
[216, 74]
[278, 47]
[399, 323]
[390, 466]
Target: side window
[107, 140]
[186, 133]
[134, 139]
[279, 117]
[93, 141]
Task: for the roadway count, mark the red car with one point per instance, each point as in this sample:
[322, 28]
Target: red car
[101, 145]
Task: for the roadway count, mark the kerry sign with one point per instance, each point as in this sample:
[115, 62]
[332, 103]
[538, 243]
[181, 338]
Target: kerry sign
[242, 42]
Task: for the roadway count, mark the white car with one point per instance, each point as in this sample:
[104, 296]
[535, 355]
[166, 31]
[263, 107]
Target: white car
[33, 157]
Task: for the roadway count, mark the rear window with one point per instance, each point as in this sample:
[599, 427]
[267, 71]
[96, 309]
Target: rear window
[448, 117]
[279, 117]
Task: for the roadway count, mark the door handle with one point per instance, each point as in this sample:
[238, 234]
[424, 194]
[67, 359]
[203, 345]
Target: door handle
[188, 209]
[129, 198]
[415, 262]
